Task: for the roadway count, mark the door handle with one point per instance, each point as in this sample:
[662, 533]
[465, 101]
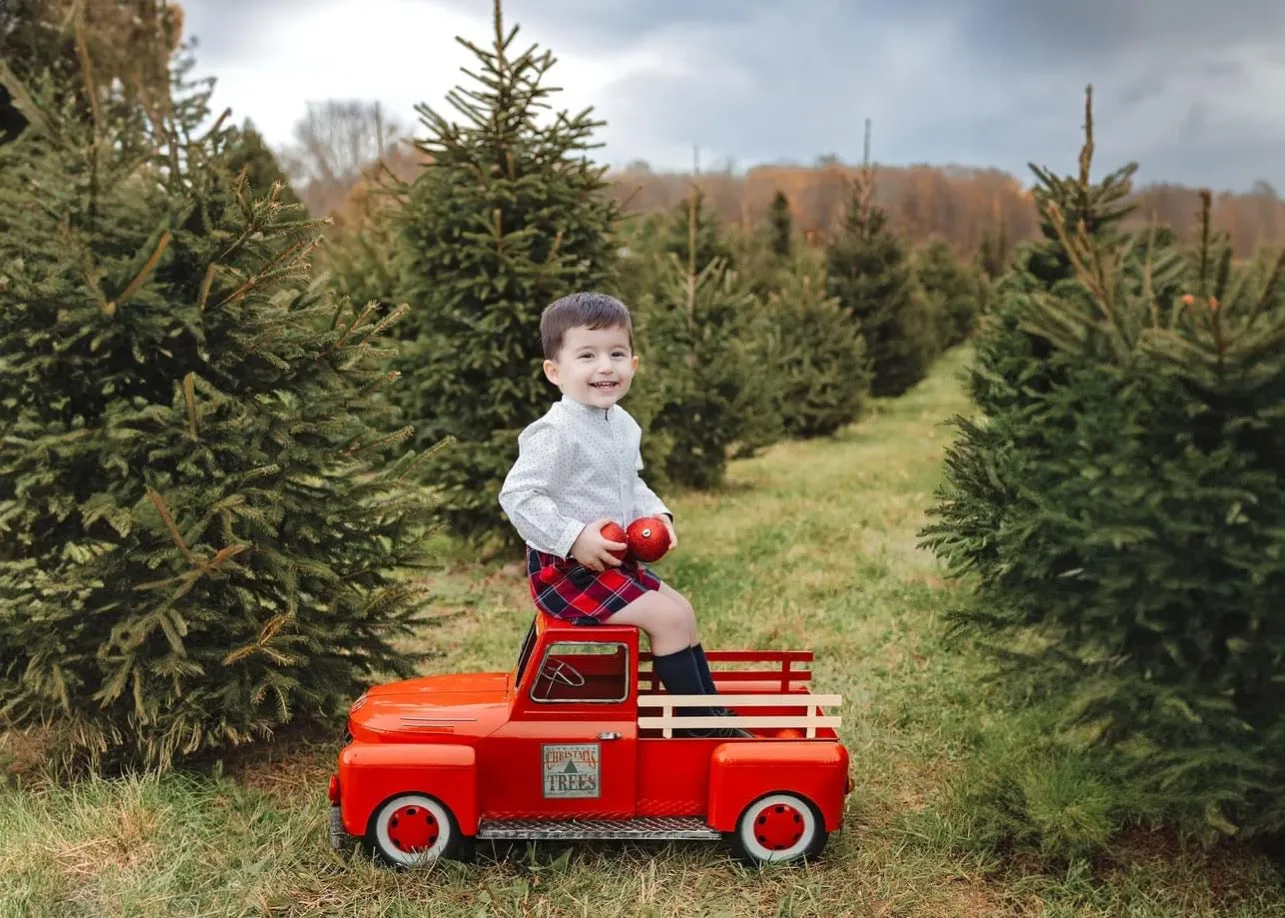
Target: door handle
[608, 735]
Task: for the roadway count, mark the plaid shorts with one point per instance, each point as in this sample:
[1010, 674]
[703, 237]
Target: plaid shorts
[566, 589]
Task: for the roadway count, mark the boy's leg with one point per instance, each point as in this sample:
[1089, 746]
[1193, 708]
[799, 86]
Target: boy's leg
[707, 679]
[698, 652]
[666, 623]
[678, 599]
[676, 662]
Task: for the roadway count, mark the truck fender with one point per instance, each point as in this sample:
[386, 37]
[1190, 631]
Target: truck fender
[740, 773]
[372, 774]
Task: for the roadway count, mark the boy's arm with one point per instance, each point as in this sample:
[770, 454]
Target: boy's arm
[646, 502]
[525, 493]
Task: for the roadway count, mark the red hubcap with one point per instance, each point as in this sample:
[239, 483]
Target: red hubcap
[778, 827]
[413, 828]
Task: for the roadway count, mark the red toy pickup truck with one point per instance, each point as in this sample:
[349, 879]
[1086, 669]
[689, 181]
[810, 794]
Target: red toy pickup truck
[577, 742]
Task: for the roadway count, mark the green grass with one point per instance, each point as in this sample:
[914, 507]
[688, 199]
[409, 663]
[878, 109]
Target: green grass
[810, 545]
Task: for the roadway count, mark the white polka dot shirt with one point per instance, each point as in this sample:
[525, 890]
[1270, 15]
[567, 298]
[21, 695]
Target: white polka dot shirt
[576, 464]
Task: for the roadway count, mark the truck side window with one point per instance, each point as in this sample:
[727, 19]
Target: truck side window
[589, 672]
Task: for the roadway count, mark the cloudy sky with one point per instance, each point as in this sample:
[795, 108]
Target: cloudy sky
[1194, 95]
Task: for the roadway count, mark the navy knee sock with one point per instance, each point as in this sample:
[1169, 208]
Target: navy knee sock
[679, 672]
[707, 678]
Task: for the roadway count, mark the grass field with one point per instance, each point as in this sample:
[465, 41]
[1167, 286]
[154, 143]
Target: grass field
[810, 545]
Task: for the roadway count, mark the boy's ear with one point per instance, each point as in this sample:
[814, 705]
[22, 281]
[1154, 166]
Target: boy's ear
[635, 363]
[551, 371]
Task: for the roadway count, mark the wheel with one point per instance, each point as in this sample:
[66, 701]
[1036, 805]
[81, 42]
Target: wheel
[412, 830]
[777, 828]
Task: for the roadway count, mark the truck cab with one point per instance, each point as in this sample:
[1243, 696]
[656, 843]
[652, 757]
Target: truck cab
[578, 740]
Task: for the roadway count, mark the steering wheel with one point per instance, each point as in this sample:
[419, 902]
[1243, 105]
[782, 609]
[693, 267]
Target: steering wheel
[561, 671]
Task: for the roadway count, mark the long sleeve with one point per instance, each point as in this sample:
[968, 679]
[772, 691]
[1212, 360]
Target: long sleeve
[524, 495]
[646, 502]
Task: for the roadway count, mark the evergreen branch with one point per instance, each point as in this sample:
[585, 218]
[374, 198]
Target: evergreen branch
[215, 128]
[159, 503]
[1272, 281]
[265, 272]
[141, 277]
[206, 282]
[1205, 210]
[419, 460]
[189, 397]
[383, 323]
[370, 308]
[396, 435]
[87, 73]
[1086, 151]
[20, 97]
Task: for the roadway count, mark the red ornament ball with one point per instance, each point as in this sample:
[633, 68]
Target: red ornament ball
[648, 538]
[613, 533]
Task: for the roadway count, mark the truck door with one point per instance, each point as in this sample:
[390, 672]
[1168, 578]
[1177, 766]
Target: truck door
[570, 747]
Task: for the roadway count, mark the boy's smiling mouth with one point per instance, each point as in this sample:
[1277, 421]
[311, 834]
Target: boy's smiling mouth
[609, 384]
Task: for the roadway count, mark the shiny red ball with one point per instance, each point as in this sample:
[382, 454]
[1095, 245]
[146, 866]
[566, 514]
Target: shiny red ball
[648, 538]
[613, 533]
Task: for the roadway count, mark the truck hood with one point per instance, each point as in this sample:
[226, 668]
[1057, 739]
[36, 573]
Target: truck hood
[431, 708]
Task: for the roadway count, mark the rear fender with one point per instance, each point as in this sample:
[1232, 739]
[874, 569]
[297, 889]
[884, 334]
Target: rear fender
[740, 773]
[371, 774]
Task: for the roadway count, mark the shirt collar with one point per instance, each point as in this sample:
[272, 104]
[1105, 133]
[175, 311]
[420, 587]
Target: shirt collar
[583, 409]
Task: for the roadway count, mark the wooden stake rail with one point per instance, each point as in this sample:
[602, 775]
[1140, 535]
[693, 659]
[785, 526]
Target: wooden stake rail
[809, 721]
[783, 671]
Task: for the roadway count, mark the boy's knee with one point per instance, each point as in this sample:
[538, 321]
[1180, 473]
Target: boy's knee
[668, 614]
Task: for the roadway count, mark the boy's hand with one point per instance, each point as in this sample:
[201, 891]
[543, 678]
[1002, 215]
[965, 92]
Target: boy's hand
[673, 536]
[594, 550]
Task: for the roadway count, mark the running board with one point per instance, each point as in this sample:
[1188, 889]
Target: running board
[645, 828]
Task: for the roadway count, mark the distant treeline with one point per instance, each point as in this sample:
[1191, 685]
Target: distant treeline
[957, 203]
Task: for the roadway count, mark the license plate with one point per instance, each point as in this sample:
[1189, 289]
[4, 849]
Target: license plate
[337, 833]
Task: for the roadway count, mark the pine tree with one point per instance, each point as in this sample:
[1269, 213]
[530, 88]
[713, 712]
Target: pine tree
[246, 150]
[780, 228]
[197, 540]
[956, 290]
[507, 216]
[129, 42]
[360, 254]
[993, 253]
[871, 274]
[704, 394]
[1119, 504]
[816, 352]
[706, 245]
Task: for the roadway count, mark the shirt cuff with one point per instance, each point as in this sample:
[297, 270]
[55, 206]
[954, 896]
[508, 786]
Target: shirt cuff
[562, 548]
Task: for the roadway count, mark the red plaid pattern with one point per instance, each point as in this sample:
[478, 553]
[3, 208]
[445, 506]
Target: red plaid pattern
[566, 589]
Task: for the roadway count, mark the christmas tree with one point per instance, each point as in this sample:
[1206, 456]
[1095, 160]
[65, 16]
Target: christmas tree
[993, 250]
[695, 236]
[508, 215]
[199, 538]
[705, 393]
[779, 222]
[360, 254]
[1119, 505]
[871, 274]
[956, 290]
[246, 150]
[130, 43]
[816, 352]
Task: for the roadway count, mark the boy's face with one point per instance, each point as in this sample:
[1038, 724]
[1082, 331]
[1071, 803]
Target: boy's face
[594, 366]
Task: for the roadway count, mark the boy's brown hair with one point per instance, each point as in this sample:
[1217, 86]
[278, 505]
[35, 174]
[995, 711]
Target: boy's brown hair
[592, 310]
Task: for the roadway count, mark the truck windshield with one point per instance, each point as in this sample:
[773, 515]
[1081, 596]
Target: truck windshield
[524, 655]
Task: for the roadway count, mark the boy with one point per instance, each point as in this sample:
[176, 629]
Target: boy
[577, 470]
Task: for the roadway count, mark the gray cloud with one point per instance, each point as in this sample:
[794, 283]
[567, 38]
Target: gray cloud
[1191, 94]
